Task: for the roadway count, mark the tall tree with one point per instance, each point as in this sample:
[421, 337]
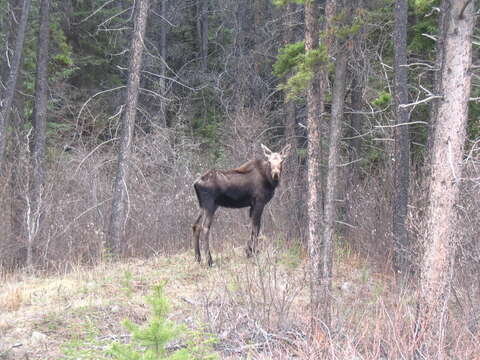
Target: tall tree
[354, 134]
[202, 31]
[7, 96]
[39, 125]
[163, 61]
[260, 13]
[356, 94]
[9, 20]
[446, 173]
[437, 81]
[338, 96]
[289, 106]
[118, 218]
[402, 140]
[315, 107]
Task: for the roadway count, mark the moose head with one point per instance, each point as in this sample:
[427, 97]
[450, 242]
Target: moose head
[275, 160]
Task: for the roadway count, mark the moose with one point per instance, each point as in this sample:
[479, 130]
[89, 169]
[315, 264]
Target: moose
[251, 185]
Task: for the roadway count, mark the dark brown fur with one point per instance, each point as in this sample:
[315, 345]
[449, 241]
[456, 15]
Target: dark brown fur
[250, 185]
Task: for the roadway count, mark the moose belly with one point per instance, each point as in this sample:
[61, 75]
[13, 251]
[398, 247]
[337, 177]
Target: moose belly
[234, 200]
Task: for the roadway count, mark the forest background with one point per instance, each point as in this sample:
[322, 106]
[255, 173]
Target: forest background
[217, 79]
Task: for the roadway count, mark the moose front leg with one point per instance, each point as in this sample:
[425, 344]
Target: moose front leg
[256, 216]
[197, 229]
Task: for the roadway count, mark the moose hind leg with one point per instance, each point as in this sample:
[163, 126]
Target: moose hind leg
[196, 236]
[206, 229]
[256, 216]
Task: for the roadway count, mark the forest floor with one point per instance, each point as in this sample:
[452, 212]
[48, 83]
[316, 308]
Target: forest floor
[253, 308]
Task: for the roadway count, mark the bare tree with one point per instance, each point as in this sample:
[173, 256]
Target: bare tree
[11, 13]
[39, 125]
[446, 171]
[7, 96]
[436, 82]
[315, 108]
[260, 13]
[355, 128]
[338, 97]
[202, 31]
[118, 218]
[163, 61]
[402, 140]
[289, 106]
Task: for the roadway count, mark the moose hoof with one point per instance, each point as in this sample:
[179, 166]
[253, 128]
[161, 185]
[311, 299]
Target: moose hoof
[210, 262]
[249, 252]
[198, 258]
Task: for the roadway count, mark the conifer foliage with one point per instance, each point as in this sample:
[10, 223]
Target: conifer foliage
[156, 340]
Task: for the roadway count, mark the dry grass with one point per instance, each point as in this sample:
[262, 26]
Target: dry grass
[257, 309]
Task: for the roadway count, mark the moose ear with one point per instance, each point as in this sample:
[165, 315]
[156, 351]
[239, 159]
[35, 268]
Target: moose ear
[266, 151]
[285, 151]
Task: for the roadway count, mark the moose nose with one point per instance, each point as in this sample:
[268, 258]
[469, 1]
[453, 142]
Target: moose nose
[275, 176]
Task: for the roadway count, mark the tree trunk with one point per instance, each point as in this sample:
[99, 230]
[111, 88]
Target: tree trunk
[355, 132]
[437, 82]
[7, 98]
[115, 239]
[260, 9]
[292, 168]
[446, 173]
[202, 30]
[39, 126]
[289, 106]
[11, 13]
[338, 97]
[315, 107]
[402, 140]
[163, 62]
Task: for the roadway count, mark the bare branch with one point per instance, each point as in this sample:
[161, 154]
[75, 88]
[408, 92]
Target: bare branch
[420, 64]
[431, 37]
[91, 152]
[403, 106]
[402, 124]
[95, 95]
[95, 12]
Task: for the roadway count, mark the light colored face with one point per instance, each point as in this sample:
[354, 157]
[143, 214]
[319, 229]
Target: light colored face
[275, 159]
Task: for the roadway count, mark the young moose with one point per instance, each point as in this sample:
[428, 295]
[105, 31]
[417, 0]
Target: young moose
[250, 185]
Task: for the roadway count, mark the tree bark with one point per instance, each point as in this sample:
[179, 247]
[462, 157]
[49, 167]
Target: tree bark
[437, 83]
[315, 108]
[115, 237]
[163, 63]
[202, 30]
[331, 187]
[39, 126]
[446, 172]
[12, 12]
[402, 140]
[260, 10]
[289, 106]
[355, 132]
[7, 98]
